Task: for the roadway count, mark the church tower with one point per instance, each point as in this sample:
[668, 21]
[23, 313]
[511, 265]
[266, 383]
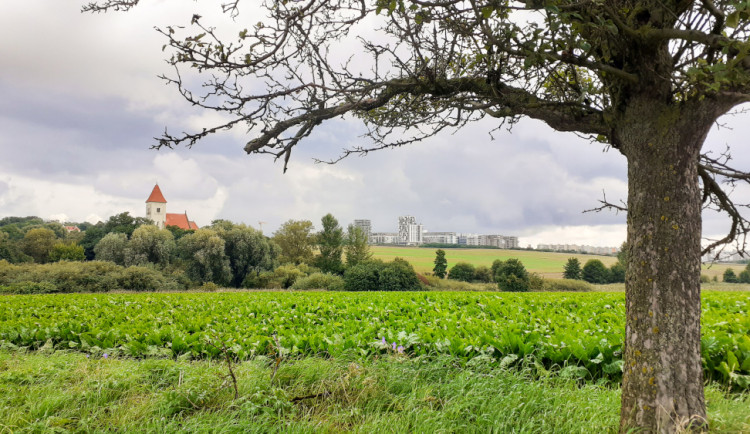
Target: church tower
[156, 207]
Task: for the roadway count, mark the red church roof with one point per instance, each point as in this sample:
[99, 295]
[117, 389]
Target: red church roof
[156, 196]
[181, 221]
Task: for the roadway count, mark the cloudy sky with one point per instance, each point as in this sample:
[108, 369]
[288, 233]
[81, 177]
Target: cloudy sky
[81, 103]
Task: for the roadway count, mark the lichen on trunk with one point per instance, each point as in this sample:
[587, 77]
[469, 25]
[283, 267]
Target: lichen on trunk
[662, 378]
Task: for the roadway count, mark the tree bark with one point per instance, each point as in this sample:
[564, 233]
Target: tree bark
[662, 387]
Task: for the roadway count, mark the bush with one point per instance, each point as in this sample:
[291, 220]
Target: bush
[94, 276]
[331, 282]
[617, 273]
[462, 271]
[536, 282]
[705, 279]
[730, 277]
[512, 276]
[744, 276]
[398, 275]
[363, 276]
[29, 288]
[483, 274]
[567, 285]
[595, 272]
[282, 277]
[138, 278]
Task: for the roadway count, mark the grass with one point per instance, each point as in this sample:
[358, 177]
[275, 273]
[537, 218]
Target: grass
[67, 392]
[547, 264]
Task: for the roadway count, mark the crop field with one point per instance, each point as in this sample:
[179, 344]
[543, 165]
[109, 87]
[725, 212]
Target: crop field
[578, 334]
[546, 264]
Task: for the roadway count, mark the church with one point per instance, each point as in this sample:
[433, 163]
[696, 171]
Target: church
[156, 210]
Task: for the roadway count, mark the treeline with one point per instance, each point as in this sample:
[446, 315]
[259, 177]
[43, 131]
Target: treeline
[509, 275]
[731, 277]
[128, 252]
[594, 271]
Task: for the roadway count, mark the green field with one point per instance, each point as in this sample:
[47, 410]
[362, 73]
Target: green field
[547, 264]
[579, 334]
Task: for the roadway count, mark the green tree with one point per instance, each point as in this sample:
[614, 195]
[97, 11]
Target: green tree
[616, 273]
[398, 275]
[149, 244]
[11, 251]
[622, 255]
[356, 249]
[594, 271]
[483, 274]
[66, 251]
[112, 248]
[462, 271]
[730, 277]
[203, 253]
[441, 264]
[572, 269]
[647, 78]
[247, 249]
[330, 242]
[744, 276]
[512, 276]
[38, 243]
[296, 240]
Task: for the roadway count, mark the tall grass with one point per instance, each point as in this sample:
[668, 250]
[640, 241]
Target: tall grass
[69, 392]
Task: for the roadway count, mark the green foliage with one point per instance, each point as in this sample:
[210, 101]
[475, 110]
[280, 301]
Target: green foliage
[572, 269]
[554, 285]
[93, 276]
[594, 271]
[364, 276]
[296, 240]
[441, 264]
[462, 271]
[483, 274]
[150, 245]
[247, 249]
[38, 243]
[330, 241]
[11, 251]
[356, 249]
[512, 276]
[397, 275]
[744, 276]
[622, 255]
[584, 331]
[730, 277]
[283, 277]
[66, 252]
[112, 248]
[203, 254]
[705, 278]
[617, 273]
[537, 282]
[328, 281]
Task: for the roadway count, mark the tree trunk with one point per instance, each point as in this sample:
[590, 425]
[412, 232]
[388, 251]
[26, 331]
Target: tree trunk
[662, 388]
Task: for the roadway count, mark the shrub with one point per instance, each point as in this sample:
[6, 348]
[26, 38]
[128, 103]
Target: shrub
[536, 282]
[363, 276]
[139, 278]
[282, 277]
[595, 272]
[209, 287]
[744, 276]
[29, 288]
[617, 273]
[512, 276]
[730, 277]
[462, 271]
[398, 275]
[483, 274]
[705, 279]
[331, 282]
[567, 285]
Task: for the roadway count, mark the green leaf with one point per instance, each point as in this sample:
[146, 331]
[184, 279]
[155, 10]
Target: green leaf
[733, 19]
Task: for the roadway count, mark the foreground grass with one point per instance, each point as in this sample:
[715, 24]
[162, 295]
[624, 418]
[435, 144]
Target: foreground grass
[69, 392]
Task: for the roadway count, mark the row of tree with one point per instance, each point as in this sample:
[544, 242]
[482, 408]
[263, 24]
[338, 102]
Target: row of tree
[224, 253]
[510, 275]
